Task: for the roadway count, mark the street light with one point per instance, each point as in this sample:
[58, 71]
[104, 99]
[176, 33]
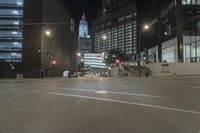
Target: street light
[47, 32]
[52, 60]
[79, 54]
[79, 61]
[145, 28]
[104, 37]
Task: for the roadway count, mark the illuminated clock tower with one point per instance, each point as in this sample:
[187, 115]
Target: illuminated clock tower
[83, 27]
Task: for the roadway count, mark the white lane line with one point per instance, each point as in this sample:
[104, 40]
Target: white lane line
[119, 93]
[125, 102]
[196, 87]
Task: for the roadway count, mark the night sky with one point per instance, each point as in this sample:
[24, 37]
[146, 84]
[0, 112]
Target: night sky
[90, 7]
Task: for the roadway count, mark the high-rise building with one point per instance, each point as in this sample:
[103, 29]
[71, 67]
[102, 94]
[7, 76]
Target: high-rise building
[173, 36]
[116, 28]
[30, 43]
[175, 31]
[84, 40]
[83, 27]
[94, 61]
[11, 15]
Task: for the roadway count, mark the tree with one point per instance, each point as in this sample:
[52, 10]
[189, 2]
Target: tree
[114, 55]
[81, 66]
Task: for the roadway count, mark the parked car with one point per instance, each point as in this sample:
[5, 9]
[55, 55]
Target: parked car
[103, 74]
[72, 74]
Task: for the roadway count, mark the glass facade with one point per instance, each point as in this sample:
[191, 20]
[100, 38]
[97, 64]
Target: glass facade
[191, 2]
[177, 45]
[11, 34]
[92, 60]
[117, 28]
[123, 35]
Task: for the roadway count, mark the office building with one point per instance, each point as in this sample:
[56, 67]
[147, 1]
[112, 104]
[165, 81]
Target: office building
[30, 43]
[11, 14]
[175, 30]
[94, 61]
[83, 27]
[116, 28]
[84, 40]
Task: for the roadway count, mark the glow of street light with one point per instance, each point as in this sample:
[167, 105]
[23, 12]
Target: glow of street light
[79, 54]
[146, 27]
[104, 37]
[48, 33]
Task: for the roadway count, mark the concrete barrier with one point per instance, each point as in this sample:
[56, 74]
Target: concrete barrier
[19, 76]
[170, 69]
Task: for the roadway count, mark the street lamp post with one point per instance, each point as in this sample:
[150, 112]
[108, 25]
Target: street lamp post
[48, 33]
[80, 60]
[146, 27]
[40, 50]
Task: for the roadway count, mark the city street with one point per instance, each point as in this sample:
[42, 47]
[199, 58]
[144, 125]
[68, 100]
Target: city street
[101, 105]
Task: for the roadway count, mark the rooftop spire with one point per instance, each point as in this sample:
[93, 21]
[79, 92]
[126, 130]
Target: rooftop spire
[83, 16]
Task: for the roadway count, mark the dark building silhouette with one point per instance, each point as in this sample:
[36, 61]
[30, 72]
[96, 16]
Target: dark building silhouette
[44, 44]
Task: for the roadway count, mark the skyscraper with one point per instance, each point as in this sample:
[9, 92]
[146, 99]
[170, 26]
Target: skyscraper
[11, 14]
[117, 27]
[30, 43]
[84, 41]
[175, 34]
[83, 27]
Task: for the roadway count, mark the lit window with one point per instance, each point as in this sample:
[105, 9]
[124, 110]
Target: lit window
[19, 3]
[14, 33]
[15, 12]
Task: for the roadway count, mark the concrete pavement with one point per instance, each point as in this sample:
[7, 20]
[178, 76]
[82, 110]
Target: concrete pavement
[101, 105]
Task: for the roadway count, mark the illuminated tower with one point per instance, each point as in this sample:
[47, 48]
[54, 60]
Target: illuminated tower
[83, 27]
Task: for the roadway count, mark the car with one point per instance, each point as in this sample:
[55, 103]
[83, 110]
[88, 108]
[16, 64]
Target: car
[103, 74]
[72, 74]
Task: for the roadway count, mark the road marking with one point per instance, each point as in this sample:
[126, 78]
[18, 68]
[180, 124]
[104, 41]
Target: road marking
[101, 92]
[119, 93]
[196, 87]
[125, 102]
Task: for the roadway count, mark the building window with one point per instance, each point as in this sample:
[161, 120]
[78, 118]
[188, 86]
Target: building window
[11, 13]
[190, 2]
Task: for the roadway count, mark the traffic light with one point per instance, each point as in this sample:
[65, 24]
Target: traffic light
[53, 63]
[39, 49]
[168, 30]
[117, 61]
[48, 54]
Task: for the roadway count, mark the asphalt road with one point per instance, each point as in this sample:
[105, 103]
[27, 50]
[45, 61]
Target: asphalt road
[101, 105]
